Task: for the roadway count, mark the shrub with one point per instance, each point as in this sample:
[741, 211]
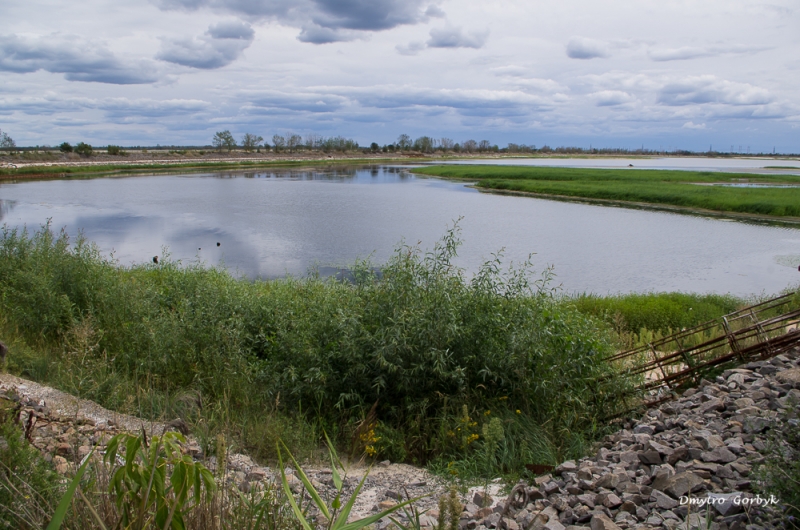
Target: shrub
[65, 147]
[116, 150]
[419, 346]
[83, 149]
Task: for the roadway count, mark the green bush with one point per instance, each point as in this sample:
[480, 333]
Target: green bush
[292, 357]
[65, 147]
[83, 149]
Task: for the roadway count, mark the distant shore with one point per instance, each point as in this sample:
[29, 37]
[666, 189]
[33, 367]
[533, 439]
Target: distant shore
[49, 164]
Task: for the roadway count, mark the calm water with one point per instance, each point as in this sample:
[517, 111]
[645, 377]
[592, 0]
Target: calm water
[738, 165]
[272, 224]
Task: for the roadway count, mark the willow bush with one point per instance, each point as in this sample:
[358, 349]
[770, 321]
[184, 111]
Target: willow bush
[401, 354]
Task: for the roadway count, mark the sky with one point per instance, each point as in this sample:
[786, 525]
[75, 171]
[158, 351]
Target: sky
[665, 74]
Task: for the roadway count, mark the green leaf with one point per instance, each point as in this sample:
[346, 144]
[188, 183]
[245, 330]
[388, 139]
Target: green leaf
[289, 495]
[307, 483]
[66, 500]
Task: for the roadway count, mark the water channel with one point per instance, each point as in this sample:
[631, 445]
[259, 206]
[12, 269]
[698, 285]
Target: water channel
[272, 223]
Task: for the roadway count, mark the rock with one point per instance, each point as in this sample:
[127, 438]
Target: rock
[660, 448]
[709, 441]
[256, 474]
[650, 457]
[567, 467]
[755, 424]
[692, 522]
[386, 505]
[663, 501]
[724, 502]
[644, 429]
[554, 525]
[789, 376]
[602, 522]
[509, 524]
[538, 522]
[715, 404]
[611, 500]
[491, 520]
[481, 499]
[718, 454]
[683, 483]
[385, 463]
[611, 480]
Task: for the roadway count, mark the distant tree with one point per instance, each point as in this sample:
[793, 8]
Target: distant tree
[114, 150]
[6, 142]
[484, 145]
[83, 149]
[404, 142]
[278, 142]
[66, 147]
[446, 144]
[424, 144]
[293, 141]
[224, 140]
[374, 147]
[457, 148]
[250, 141]
[313, 141]
[470, 146]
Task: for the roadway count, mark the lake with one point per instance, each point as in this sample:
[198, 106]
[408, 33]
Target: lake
[272, 223]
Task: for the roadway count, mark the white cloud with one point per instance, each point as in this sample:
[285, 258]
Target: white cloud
[695, 126]
[611, 98]
[709, 89]
[695, 52]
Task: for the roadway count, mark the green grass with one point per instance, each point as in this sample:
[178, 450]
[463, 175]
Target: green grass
[655, 187]
[295, 357]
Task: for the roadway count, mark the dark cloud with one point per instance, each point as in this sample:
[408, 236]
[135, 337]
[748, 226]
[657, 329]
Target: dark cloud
[78, 59]
[582, 48]
[231, 30]
[222, 44]
[451, 37]
[321, 21]
[114, 108]
[434, 12]
[315, 34]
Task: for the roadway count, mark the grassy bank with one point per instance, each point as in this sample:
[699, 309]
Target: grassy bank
[60, 171]
[657, 187]
[410, 367]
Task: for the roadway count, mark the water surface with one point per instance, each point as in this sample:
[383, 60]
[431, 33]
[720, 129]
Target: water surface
[270, 224]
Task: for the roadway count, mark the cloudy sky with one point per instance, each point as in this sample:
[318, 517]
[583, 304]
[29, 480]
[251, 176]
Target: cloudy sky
[659, 73]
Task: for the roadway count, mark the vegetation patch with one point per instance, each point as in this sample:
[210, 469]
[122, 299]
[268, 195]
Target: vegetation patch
[413, 365]
[656, 187]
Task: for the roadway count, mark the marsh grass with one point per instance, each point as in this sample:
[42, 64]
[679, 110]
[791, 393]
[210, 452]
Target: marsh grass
[663, 187]
[292, 358]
